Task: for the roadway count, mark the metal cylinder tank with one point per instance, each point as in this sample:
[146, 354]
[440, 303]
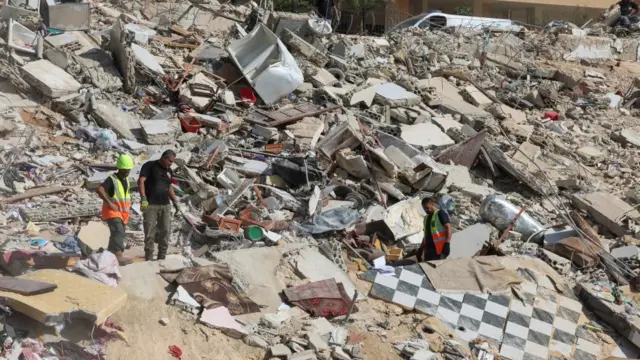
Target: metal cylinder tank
[500, 212]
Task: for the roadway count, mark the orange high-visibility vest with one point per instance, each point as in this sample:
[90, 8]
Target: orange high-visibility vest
[121, 198]
[437, 230]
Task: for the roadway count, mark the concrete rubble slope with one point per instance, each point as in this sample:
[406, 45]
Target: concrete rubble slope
[303, 156]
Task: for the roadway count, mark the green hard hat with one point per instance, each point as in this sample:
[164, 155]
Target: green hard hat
[125, 162]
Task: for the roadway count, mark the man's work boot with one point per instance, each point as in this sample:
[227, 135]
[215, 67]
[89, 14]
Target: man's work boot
[148, 255]
[162, 255]
[122, 260]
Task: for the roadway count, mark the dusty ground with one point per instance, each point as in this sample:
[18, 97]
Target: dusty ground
[148, 339]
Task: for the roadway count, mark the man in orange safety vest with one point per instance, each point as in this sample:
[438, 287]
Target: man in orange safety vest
[437, 233]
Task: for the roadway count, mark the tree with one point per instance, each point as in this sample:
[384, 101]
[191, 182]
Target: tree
[297, 6]
[365, 6]
[463, 10]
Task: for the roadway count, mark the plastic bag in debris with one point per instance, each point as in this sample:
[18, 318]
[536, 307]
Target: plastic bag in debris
[334, 219]
[105, 139]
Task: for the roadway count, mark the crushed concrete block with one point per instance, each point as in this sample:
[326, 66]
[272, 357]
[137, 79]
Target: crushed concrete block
[339, 354]
[446, 123]
[395, 95]
[520, 131]
[74, 295]
[535, 98]
[280, 350]
[627, 137]
[338, 336]
[94, 235]
[320, 326]
[323, 78]
[468, 242]
[111, 117]
[264, 132]
[98, 64]
[476, 97]
[307, 131]
[626, 252]
[49, 79]
[426, 135]
[303, 355]
[503, 112]
[304, 88]
[558, 263]
[353, 164]
[255, 341]
[316, 342]
[572, 184]
[305, 49]
[607, 210]
[423, 354]
[229, 179]
[364, 96]
[591, 154]
[158, 132]
[526, 151]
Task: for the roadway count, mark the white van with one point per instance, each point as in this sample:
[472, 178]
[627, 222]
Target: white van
[441, 20]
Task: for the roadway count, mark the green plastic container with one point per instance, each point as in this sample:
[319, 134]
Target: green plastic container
[254, 233]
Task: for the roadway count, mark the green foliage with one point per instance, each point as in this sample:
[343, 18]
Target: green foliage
[368, 4]
[463, 10]
[297, 6]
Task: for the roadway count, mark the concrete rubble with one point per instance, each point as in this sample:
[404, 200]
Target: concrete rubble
[303, 156]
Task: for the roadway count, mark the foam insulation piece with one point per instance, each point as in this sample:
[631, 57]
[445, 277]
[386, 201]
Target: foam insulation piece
[75, 297]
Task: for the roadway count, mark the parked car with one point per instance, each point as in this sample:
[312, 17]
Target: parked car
[437, 19]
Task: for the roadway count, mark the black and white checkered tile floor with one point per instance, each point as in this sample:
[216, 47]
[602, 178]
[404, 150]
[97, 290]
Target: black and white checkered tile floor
[542, 325]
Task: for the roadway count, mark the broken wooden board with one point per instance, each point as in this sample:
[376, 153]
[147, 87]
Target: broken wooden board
[288, 115]
[25, 286]
[75, 297]
[33, 193]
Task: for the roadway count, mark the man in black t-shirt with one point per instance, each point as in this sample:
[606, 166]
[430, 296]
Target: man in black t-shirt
[156, 191]
[437, 233]
[326, 8]
[628, 11]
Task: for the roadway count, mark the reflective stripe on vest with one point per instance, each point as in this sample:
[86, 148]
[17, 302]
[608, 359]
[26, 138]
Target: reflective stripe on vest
[438, 232]
[121, 198]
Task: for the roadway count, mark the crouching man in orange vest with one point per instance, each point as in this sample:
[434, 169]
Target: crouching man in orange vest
[116, 205]
[437, 233]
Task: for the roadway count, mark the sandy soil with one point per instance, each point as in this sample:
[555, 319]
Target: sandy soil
[148, 339]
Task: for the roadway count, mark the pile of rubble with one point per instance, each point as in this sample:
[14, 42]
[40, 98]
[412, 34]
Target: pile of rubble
[302, 160]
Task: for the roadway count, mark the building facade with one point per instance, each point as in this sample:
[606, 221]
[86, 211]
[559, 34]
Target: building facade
[533, 12]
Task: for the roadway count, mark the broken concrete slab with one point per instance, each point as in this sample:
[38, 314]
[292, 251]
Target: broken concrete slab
[503, 112]
[607, 210]
[353, 164]
[98, 64]
[94, 235]
[142, 279]
[315, 267]
[158, 132]
[446, 123]
[254, 272]
[469, 242]
[627, 137]
[74, 297]
[307, 132]
[323, 78]
[426, 135]
[146, 59]
[49, 79]
[613, 314]
[280, 350]
[364, 96]
[626, 252]
[395, 95]
[591, 154]
[111, 117]
[476, 97]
